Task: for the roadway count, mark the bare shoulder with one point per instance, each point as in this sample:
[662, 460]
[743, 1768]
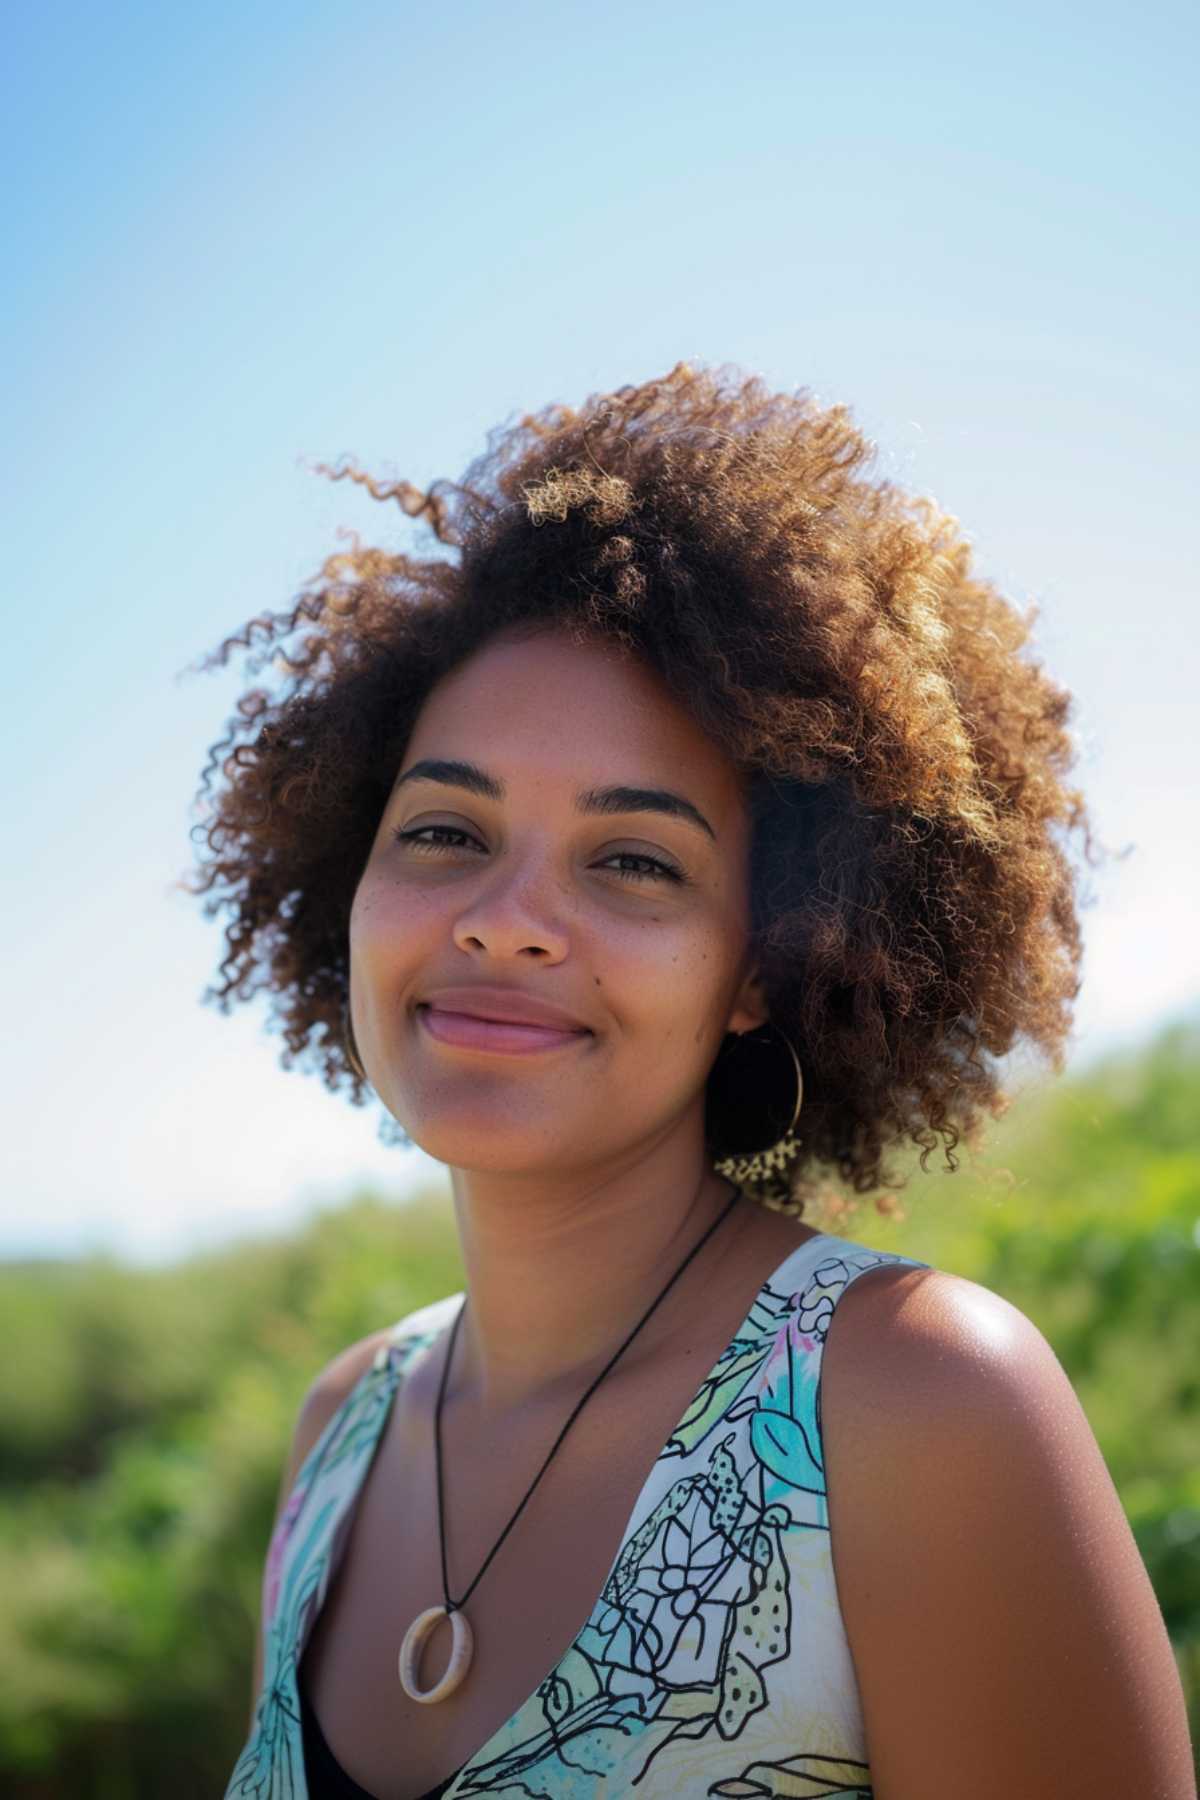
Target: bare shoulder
[330, 1389]
[1004, 1632]
[326, 1393]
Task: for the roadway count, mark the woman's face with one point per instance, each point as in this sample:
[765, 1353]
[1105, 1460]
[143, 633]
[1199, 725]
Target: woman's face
[632, 921]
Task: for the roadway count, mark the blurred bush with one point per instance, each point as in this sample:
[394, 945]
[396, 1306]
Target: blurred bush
[144, 1419]
[145, 1414]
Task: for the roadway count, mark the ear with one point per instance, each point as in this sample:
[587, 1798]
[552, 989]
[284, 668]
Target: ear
[750, 1008]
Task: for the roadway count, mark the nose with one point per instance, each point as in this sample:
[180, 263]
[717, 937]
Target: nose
[516, 907]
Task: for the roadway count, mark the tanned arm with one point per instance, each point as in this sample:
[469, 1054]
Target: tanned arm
[1003, 1627]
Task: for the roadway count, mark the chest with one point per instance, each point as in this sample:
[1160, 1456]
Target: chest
[527, 1608]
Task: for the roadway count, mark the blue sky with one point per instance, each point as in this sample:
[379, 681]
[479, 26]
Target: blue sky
[241, 241]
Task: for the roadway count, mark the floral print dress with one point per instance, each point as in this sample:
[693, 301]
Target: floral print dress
[714, 1662]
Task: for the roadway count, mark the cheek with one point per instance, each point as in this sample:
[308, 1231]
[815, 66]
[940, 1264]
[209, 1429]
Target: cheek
[683, 975]
[385, 928]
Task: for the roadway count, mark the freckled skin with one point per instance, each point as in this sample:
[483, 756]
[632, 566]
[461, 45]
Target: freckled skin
[554, 1157]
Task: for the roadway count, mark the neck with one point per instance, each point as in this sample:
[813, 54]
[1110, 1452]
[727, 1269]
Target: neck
[559, 1271]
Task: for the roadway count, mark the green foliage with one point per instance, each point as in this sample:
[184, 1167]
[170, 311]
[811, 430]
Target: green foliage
[145, 1417]
[145, 1414]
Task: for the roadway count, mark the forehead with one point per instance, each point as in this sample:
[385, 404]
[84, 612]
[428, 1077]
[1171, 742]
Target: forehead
[549, 709]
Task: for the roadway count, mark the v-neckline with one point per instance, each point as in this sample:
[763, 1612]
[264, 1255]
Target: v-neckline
[436, 1317]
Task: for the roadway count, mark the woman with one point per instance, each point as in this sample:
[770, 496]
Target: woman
[684, 827]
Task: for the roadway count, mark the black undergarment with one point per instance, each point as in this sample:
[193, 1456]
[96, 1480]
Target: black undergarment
[324, 1775]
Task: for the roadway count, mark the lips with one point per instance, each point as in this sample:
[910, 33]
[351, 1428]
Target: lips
[467, 1031]
[512, 1006]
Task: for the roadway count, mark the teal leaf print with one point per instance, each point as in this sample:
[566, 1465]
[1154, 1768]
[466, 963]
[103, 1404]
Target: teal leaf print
[781, 1444]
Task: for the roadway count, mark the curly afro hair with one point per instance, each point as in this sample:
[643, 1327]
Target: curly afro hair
[913, 908]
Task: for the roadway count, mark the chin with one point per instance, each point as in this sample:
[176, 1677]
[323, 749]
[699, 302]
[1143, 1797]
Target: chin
[482, 1141]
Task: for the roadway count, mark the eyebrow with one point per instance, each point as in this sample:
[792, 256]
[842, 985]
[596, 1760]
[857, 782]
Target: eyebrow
[588, 800]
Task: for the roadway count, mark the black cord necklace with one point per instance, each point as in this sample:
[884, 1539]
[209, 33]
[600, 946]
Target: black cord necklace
[463, 1645]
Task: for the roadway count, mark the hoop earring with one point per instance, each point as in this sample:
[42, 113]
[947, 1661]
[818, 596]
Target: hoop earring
[351, 1048]
[765, 1171]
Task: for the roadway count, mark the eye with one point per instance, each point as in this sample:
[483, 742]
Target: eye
[665, 871]
[417, 837]
[660, 871]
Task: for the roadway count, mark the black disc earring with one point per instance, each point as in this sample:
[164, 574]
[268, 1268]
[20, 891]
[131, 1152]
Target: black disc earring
[749, 1065]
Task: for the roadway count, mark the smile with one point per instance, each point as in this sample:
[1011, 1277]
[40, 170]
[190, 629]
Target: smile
[465, 1031]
